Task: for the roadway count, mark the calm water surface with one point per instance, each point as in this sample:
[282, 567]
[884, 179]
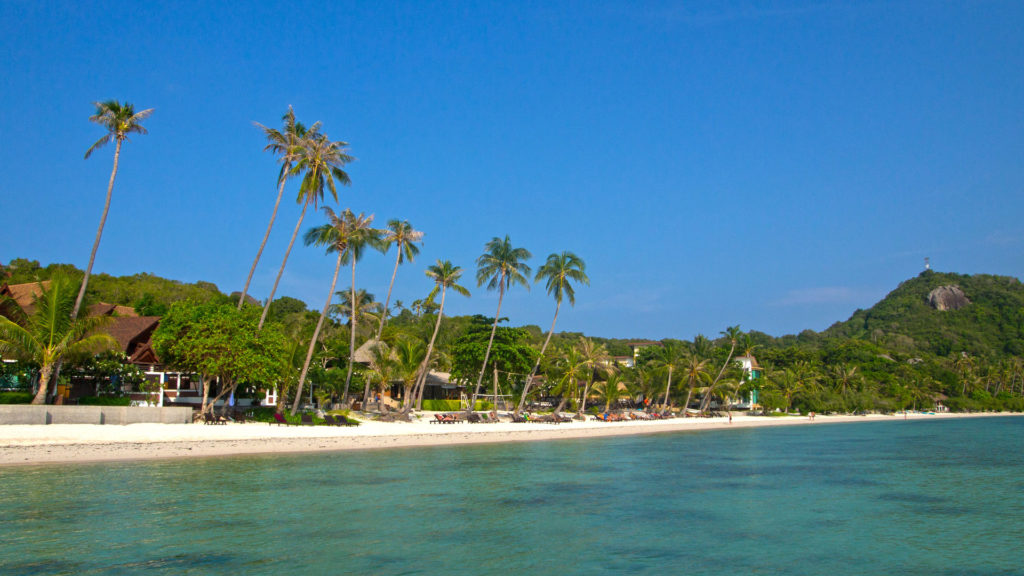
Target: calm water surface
[938, 497]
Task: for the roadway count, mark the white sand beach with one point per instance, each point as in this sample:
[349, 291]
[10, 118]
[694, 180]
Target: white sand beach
[41, 444]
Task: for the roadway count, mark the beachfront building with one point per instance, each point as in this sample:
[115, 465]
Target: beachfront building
[636, 347]
[751, 372]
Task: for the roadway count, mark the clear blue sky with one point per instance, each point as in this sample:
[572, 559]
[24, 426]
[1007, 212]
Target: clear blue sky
[774, 165]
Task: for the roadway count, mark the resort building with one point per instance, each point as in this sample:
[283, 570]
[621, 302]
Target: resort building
[751, 372]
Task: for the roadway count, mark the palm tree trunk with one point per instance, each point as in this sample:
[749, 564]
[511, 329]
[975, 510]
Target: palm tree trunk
[387, 301]
[353, 322]
[686, 406]
[706, 401]
[586, 390]
[487, 355]
[259, 253]
[44, 384]
[561, 404]
[316, 334]
[536, 365]
[99, 234]
[664, 403]
[425, 367]
[266, 307]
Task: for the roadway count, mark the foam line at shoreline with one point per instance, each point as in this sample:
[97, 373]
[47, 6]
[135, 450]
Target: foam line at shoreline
[84, 443]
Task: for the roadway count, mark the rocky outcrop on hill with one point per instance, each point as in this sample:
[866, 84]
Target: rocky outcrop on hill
[947, 298]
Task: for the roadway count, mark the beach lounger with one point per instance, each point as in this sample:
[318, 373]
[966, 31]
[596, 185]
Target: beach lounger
[279, 419]
[306, 419]
[474, 418]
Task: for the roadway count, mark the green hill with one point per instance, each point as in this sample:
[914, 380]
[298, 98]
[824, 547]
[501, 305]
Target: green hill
[990, 325]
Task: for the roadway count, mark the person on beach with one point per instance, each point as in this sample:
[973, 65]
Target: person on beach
[730, 417]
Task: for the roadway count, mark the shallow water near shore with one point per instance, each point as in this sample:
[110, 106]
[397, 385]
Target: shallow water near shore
[926, 497]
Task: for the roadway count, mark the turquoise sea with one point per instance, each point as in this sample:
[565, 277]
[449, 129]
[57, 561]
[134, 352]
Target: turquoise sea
[925, 497]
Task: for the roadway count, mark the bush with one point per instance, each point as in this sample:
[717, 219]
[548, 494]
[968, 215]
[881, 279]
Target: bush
[453, 405]
[104, 401]
[15, 397]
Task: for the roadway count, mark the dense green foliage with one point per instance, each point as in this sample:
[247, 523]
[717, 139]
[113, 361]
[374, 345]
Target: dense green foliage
[900, 353]
[15, 397]
[105, 401]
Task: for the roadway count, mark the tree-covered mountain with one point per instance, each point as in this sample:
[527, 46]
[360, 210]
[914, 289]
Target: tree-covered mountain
[990, 322]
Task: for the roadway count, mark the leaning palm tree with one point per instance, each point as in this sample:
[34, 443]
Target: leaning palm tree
[285, 144]
[560, 270]
[51, 334]
[445, 275]
[401, 234]
[320, 162]
[337, 235]
[120, 120]
[732, 333]
[500, 266]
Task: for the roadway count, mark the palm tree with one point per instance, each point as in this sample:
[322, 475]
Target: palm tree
[120, 120]
[500, 266]
[559, 270]
[358, 307]
[401, 234]
[320, 161]
[338, 235]
[610, 390]
[669, 358]
[51, 333]
[409, 356]
[383, 365]
[732, 333]
[285, 144]
[843, 375]
[574, 367]
[597, 358]
[361, 235]
[695, 370]
[358, 303]
[445, 275]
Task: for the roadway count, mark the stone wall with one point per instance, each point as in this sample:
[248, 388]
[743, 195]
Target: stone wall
[28, 414]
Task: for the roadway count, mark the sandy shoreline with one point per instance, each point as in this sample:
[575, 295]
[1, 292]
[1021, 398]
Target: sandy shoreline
[80, 443]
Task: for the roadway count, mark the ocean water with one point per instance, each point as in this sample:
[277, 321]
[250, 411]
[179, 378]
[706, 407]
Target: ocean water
[926, 497]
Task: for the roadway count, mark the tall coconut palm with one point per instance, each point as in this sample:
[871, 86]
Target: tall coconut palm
[320, 162]
[445, 275]
[361, 235]
[285, 144]
[337, 235]
[404, 237]
[560, 270]
[500, 266]
[50, 333]
[120, 120]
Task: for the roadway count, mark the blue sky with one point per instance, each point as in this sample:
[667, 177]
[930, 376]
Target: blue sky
[773, 165]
